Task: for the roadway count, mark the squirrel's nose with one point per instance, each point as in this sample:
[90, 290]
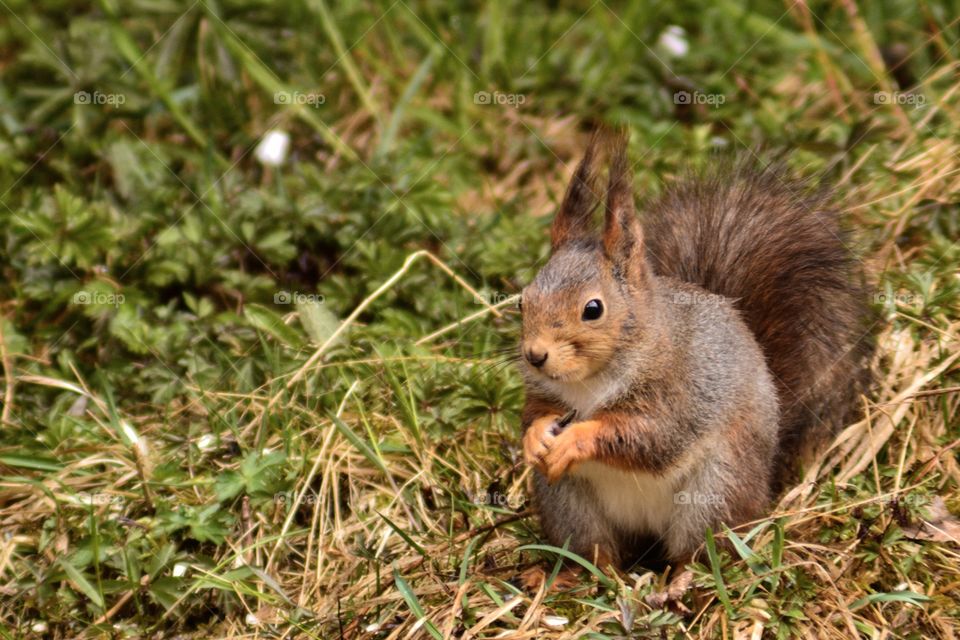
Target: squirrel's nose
[536, 358]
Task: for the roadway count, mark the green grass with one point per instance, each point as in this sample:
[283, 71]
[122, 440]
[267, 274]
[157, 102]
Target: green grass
[227, 409]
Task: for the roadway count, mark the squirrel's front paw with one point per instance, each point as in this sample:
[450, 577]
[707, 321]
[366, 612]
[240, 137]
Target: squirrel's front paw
[536, 438]
[574, 444]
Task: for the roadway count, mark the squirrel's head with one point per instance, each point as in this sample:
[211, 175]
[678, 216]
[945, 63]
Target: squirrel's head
[590, 294]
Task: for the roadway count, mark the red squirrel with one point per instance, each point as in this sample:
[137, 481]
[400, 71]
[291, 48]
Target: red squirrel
[677, 370]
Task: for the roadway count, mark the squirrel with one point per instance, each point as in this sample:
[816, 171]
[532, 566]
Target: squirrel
[677, 371]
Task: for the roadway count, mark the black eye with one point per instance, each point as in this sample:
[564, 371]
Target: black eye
[520, 305]
[593, 310]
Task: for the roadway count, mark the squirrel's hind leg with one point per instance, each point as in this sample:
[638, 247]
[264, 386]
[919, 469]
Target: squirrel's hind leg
[570, 513]
[720, 493]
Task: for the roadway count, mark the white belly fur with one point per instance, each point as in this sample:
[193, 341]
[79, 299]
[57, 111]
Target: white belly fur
[636, 501]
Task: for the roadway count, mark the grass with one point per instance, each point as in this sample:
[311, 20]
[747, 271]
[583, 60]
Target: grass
[244, 400]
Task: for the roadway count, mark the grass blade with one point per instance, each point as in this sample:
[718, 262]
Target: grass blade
[403, 534]
[80, 582]
[359, 443]
[714, 558]
[411, 599]
[583, 562]
[344, 58]
[911, 597]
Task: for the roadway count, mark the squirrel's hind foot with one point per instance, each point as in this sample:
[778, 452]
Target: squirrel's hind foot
[532, 578]
[569, 576]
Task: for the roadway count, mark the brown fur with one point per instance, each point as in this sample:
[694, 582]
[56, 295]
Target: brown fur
[730, 337]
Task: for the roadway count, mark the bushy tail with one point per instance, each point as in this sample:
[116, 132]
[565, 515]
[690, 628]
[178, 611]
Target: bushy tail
[777, 249]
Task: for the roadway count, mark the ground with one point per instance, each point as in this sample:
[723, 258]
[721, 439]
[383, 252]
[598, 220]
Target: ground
[256, 311]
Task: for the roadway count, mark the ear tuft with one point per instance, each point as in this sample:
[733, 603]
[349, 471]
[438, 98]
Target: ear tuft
[622, 235]
[576, 211]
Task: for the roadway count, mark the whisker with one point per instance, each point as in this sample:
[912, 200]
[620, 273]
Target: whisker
[492, 352]
[498, 364]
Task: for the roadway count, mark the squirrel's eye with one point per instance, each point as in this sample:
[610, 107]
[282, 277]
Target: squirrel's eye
[520, 305]
[593, 310]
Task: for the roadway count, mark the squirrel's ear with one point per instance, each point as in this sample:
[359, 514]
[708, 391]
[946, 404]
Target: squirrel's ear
[622, 234]
[576, 211]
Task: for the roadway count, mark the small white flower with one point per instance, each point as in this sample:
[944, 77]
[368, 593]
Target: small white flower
[252, 620]
[39, 627]
[207, 442]
[372, 628]
[673, 40]
[179, 570]
[272, 150]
